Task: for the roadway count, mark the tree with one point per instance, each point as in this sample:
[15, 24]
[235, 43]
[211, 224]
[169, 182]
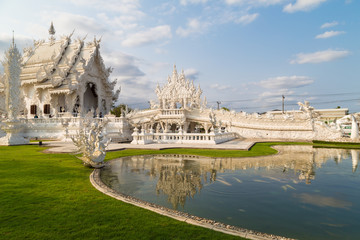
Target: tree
[119, 109]
[226, 109]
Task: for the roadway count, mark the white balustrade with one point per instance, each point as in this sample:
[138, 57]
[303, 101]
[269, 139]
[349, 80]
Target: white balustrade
[200, 138]
[171, 112]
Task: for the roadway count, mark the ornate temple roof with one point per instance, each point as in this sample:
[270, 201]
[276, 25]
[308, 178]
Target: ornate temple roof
[178, 87]
[1, 84]
[59, 64]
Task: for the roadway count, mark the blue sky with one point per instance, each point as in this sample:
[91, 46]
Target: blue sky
[244, 53]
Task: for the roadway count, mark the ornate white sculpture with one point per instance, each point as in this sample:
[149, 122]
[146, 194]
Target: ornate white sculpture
[91, 143]
[12, 81]
[12, 126]
[309, 110]
[212, 118]
[354, 128]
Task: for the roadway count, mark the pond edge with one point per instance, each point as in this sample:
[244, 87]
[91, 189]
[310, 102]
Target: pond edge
[180, 216]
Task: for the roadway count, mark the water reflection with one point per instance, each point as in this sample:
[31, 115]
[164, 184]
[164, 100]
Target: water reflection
[180, 177]
[323, 201]
[355, 159]
[178, 182]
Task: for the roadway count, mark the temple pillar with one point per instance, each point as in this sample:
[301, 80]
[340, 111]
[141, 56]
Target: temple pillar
[191, 127]
[206, 127]
[164, 104]
[186, 126]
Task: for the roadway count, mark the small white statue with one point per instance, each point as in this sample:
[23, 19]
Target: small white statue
[307, 109]
[91, 143]
[212, 118]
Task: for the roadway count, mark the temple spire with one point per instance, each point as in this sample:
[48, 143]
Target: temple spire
[52, 29]
[12, 69]
[174, 75]
[52, 33]
[13, 40]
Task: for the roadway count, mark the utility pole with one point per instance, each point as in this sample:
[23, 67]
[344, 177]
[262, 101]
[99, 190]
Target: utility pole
[218, 103]
[283, 99]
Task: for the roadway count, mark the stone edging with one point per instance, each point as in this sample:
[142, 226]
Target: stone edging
[180, 216]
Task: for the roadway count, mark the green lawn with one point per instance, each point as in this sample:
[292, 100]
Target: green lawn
[49, 196]
[259, 149]
[325, 144]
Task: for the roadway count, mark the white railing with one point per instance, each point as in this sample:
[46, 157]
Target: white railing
[62, 120]
[170, 112]
[200, 138]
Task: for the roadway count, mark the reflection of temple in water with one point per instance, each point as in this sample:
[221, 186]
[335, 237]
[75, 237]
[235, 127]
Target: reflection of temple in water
[178, 183]
[181, 176]
[355, 159]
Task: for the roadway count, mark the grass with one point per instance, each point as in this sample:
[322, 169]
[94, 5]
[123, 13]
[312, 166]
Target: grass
[325, 144]
[49, 196]
[259, 149]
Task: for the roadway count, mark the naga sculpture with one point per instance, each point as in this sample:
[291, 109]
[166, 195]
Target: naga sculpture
[91, 142]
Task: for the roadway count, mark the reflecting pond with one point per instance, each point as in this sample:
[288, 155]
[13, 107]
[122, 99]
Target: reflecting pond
[303, 192]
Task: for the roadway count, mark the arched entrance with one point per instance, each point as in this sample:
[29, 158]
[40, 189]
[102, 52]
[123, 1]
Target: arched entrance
[90, 98]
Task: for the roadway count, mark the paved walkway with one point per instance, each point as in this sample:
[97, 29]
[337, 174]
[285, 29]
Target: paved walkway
[69, 147]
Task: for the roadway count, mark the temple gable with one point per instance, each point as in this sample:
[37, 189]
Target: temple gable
[66, 75]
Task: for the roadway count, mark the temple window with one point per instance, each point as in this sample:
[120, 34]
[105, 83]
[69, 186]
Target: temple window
[33, 109]
[46, 108]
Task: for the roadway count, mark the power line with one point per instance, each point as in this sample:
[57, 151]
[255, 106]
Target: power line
[289, 95]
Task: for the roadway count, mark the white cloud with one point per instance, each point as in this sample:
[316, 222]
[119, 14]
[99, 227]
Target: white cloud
[220, 87]
[329, 24]
[302, 5]
[129, 77]
[271, 97]
[166, 8]
[65, 23]
[254, 2]
[329, 34]
[148, 36]
[161, 51]
[246, 19]
[194, 26]
[285, 82]
[127, 7]
[282, 85]
[123, 14]
[123, 64]
[191, 73]
[125, 22]
[320, 56]
[277, 93]
[186, 2]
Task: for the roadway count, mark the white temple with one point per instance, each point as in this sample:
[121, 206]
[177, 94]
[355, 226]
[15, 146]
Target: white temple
[64, 80]
[65, 76]
[180, 116]
[60, 80]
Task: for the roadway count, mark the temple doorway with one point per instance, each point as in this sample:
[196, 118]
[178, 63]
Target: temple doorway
[90, 98]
